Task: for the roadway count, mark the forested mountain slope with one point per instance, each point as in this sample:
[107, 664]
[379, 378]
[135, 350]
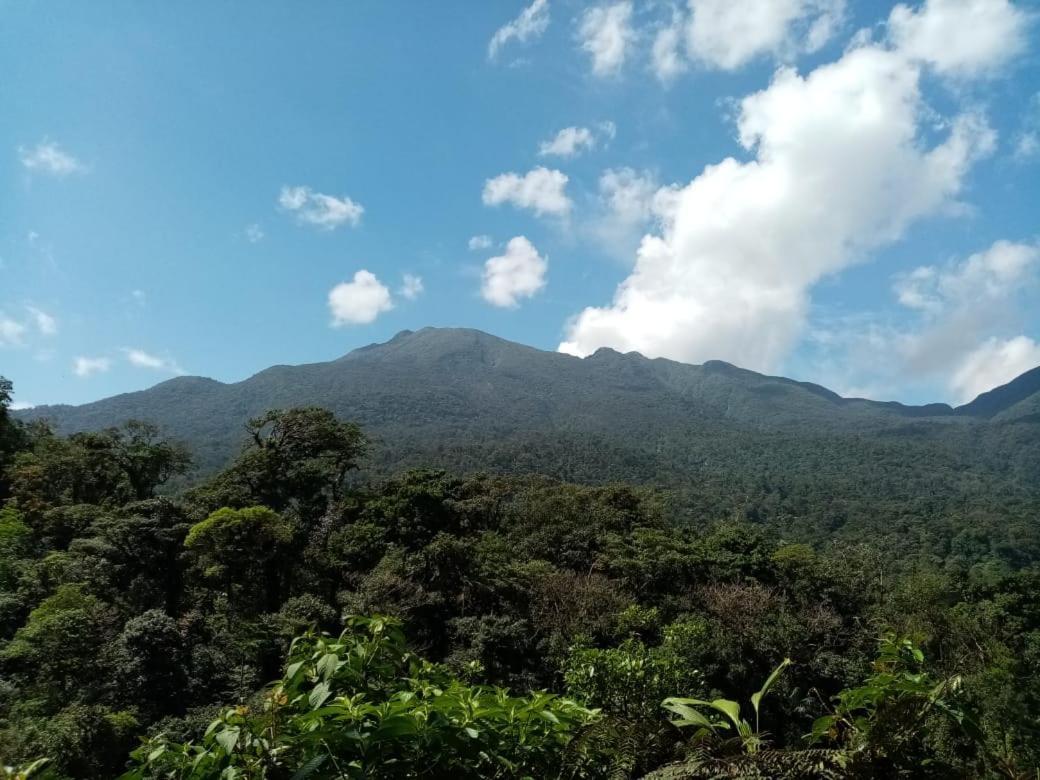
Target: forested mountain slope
[765, 447]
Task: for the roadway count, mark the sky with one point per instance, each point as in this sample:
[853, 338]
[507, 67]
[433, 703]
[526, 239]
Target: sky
[841, 191]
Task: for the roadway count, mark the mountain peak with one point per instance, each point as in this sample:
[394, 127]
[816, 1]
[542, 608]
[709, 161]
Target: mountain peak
[1000, 399]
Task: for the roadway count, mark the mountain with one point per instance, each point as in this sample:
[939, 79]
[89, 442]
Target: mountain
[469, 401]
[1019, 398]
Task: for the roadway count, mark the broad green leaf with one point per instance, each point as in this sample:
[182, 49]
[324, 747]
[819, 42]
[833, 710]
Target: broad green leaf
[728, 708]
[310, 767]
[318, 696]
[227, 739]
[757, 697]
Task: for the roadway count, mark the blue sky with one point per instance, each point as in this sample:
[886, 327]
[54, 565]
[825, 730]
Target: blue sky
[843, 192]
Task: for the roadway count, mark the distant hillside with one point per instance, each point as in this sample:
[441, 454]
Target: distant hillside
[465, 400]
[1018, 398]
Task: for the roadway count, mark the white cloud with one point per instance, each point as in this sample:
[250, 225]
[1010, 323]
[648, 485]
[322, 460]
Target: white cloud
[957, 309]
[568, 142]
[840, 165]
[986, 276]
[1027, 146]
[726, 34]
[959, 303]
[572, 141]
[141, 359]
[11, 332]
[45, 323]
[360, 301]
[86, 366]
[48, 157]
[518, 273]
[606, 33]
[666, 57]
[540, 189]
[960, 37]
[477, 243]
[995, 362]
[528, 26]
[629, 195]
[411, 287]
[20, 405]
[629, 202]
[254, 233]
[323, 211]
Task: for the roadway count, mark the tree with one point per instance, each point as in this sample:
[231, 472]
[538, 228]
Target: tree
[150, 655]
[147, 460]
[12, 435]
[56, 652]
[110, 467]
[296, 459]
[241, 549]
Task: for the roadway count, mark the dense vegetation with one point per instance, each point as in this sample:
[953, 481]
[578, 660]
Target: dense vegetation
[954, 486]
[682, 634]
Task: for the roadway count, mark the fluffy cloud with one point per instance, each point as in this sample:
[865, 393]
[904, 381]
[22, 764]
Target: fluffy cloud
[978, 295]
[568, 142]
[518, 273]
[958, 317]
[323, 211]
[141, 359]
[726, 34]
[840, 165]
[48, 157]
[630, 195]
[12, 332]
[666, 57]
[960, 37]
[986, 276]
[476, 243]
[411, 287]
[605, 34]
[540, 189]
[45, 323]
[995, 362]
[87, 366]
[629, 202]
[572, 141]
[528, 26]
[360, 301]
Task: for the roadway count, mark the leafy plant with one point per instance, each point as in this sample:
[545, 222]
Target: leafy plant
[750, 734]
[885, 714]
[35, 770]
[361, 705]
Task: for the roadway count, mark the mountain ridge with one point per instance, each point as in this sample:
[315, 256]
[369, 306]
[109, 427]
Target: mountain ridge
[451, 396]
[709, 365]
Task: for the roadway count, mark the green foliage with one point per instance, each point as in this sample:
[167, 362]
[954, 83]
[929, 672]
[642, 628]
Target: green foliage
[296, 459]
[56, 652]
[630, 680]
[688, 712]
[727, 442]
[34, 770]
[241, 550]
[109, 467]
[121, 618]
[886, 717]
[362, 706]
[231, 532]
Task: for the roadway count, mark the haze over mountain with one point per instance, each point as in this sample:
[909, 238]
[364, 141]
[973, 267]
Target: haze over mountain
[467, 400]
